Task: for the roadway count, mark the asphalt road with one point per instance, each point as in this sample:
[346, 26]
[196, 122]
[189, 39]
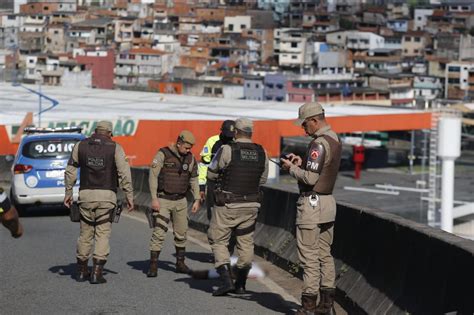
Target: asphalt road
[37, 276]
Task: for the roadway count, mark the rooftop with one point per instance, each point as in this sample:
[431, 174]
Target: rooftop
[92, 104]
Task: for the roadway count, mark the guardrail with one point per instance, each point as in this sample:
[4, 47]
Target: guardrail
[384, 263]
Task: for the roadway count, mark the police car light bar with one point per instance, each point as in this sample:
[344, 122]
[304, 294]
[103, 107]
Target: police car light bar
[30, 130]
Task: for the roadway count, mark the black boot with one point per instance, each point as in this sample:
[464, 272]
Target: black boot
[308, 304]
[241, 279]
[153, 269]
[326, 303]
[83, 273]
[97, 270]
[180, 265]
[227, 285]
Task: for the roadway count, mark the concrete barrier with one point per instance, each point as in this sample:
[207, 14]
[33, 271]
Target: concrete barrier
[384, 263]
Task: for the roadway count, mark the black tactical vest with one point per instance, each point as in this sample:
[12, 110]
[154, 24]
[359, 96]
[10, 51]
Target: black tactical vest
[97, 163]
[242, 175]
[176, 172]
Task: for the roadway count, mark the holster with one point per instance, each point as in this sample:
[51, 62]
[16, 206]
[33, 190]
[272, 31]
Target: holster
[74, 213]
[222, 198]
[150, 217]
[116, 212]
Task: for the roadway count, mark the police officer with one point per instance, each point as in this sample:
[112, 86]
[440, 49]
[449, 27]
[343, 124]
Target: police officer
[316, 208]
[207, 154]
[9, 215]
[173, 172]
[239, 168]
[103, 167]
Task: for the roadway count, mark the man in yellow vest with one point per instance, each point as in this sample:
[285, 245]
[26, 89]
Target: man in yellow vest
[207, 154]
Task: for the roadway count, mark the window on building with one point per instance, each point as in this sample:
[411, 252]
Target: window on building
[407, 38]
[416, 51]
[257, 86]
[405, 51]
[454, 69]
[248, 85]
[56, 32]
[279, 99]
[218, 91]
[46, 8]
[131, 56]
[231, 27]
[279, 86]
[417, 39]
[145, 57]
[207, 90]
[294, 57]
[453, 81]
[243, 26]
[123, 56]
[270, 85]
[294, 45]
[419, 18]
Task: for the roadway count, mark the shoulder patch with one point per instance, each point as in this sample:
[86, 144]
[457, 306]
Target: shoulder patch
[206, 150]
[154, 163]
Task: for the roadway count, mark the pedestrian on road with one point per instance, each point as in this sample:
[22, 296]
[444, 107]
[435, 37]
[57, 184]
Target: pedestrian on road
[238, 169]
[9, 215]
[173, 172]
[104, 166]
[316, 208]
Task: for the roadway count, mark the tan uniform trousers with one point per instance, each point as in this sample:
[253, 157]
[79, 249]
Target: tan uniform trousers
[177, 212]
[223, 221]
[314, 248]
[94, 211]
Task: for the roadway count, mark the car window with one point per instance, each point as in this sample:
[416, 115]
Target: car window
[48, 149]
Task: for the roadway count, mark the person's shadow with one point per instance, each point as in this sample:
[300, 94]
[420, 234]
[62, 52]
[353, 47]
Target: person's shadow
[269, 300]
[71, 270]
[143, 265]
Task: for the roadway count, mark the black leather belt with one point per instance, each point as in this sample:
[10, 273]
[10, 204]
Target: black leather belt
[172, 197]
[310, 193]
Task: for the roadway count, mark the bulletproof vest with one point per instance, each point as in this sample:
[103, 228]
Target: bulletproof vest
[97, 163]
[242, 175]
[176, 172]
[327, 178]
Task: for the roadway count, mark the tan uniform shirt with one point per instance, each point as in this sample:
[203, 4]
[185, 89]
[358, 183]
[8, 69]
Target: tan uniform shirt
[90, 195]
[222, 160]
[328, 209]
[157, 165]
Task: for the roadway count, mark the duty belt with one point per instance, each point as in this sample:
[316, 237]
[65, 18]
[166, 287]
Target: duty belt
[171, 196]
[310, 193]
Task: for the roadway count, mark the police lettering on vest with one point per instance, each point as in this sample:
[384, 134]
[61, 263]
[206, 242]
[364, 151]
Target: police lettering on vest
[242, 176]
[97, 163]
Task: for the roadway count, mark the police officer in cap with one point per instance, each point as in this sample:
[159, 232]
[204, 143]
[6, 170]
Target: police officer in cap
[173, 172]
[239, 168]
[208, 152]
[9, 215]
[103, 167]
[316, 208]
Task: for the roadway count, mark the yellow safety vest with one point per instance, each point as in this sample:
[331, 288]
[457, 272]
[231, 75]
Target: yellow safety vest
[206, 157]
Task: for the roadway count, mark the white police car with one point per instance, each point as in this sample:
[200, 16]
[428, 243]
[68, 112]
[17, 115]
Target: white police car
[39, 165]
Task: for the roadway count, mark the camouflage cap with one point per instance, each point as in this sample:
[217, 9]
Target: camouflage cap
[104, 125]
[187, 136]
[244, 124]
[308, 110]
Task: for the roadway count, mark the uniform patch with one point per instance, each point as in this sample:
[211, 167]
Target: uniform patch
[154, 163]
[169, 164]
[95, 161]
[248, 155]
[314, 154]
[185, 167]
[205, 150]
[310, 165]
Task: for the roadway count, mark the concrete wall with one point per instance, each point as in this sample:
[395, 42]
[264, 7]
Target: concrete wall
[385, 264]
